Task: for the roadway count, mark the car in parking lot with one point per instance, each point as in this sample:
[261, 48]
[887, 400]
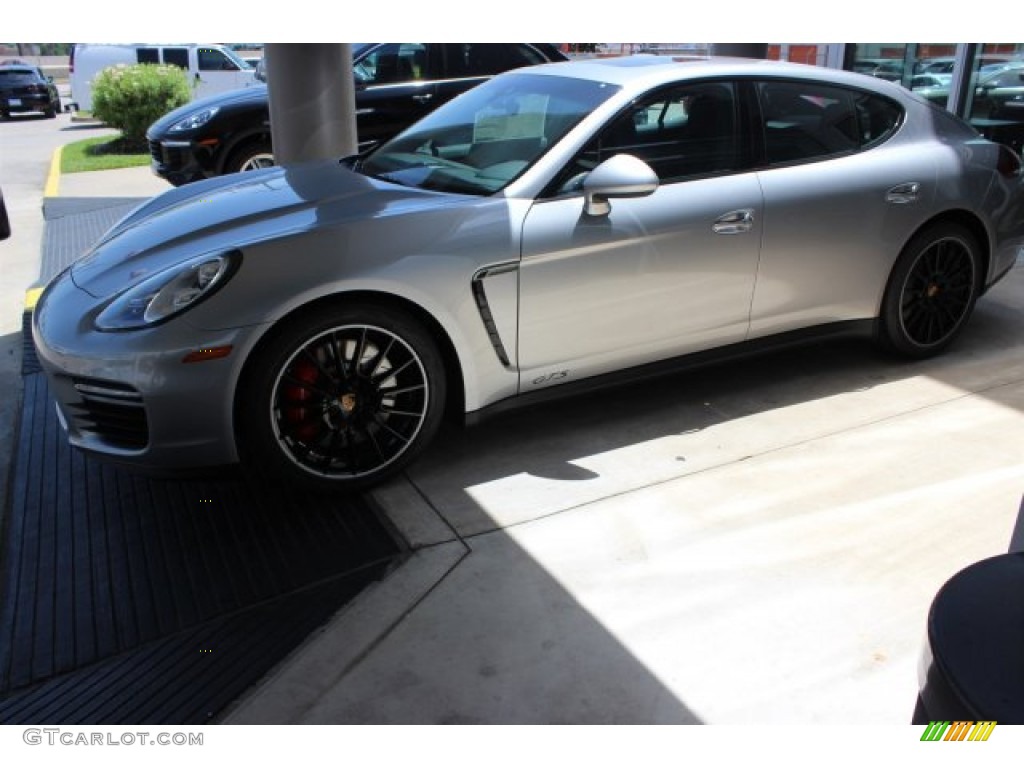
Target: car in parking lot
[886, 69]
[917, 82]
[946, 64]
[557, 227]
[24, 88]
[992, 89]
[396, 84]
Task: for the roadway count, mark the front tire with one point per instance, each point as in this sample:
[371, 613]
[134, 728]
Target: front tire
[340, 398]
[932, 291]
[250, 157]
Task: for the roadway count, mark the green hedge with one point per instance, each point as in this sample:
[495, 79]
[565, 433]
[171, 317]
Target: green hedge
[131, 98]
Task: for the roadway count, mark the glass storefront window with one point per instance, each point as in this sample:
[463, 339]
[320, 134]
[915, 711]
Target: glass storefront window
[991, 91]
[995, 103]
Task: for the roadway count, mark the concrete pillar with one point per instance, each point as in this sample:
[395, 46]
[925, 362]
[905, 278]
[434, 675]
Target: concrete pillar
[746, 50]
[961, 92]
[312, 100]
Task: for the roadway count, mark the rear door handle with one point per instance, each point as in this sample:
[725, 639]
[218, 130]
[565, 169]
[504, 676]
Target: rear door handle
[903, 193]
[422, 98]
[734, 222]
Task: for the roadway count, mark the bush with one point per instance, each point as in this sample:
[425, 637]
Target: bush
[131, 98]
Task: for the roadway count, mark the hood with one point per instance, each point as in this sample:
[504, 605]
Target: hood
[254, 95]
[231, 212]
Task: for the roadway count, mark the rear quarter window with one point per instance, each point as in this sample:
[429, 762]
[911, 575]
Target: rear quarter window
[18, 77]
[806, 121]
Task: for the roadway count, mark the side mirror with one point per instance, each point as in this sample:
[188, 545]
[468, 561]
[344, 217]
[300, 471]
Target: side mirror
[619, 176]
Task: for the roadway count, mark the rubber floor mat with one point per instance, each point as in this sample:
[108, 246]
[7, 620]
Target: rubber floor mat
[127, 599]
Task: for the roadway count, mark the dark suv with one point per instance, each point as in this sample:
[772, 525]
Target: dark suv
[24, 88]
[396, 84]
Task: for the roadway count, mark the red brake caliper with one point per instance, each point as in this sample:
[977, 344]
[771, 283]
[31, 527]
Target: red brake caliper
[295, 415]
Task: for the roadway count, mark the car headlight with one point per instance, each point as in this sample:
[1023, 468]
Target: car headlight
[195, 120]
[167, 293]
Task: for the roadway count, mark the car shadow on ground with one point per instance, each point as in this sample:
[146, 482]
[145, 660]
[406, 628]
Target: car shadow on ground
[564, 441]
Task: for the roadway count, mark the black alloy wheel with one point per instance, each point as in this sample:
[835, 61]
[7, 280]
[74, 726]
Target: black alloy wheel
[343, 398]
[932, 291]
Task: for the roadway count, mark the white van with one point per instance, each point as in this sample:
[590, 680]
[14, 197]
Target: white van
[211, 68]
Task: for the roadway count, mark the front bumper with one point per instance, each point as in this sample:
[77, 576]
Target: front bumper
[129, 396]
[179, 162]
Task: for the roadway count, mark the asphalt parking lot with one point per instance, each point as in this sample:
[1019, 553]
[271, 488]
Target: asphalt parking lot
[753, 543]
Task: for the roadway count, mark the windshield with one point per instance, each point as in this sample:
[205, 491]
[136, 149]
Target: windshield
[237, 60]
[478, 143]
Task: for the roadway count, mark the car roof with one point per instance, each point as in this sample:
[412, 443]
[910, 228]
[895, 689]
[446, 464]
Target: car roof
[643, 71]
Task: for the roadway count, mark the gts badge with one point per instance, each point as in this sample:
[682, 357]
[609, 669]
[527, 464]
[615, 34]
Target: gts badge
[550, 378]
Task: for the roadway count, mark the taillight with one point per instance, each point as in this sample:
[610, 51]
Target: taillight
[71, 61]
[1009, 162]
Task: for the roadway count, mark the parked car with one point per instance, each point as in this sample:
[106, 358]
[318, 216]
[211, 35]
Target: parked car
[211, 69]
[886, 69]
[992, 89]
[917, 82]
[24, 88]
[945, 64]
[551, 228]
[396, 84]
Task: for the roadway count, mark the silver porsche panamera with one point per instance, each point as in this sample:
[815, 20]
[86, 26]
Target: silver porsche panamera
[553, 226]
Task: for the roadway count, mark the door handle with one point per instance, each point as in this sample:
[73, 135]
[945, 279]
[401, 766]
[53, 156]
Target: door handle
[734, 222]
[903, 193]
[422, 98]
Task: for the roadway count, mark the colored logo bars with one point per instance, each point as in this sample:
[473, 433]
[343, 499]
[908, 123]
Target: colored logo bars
[961, 730]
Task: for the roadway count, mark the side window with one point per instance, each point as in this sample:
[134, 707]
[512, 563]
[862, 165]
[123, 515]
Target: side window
[483, 59]
[212, 60]
[811, 121]
[520, 55]
[393, 63]
[176, 56]
[147, 55]
[682, 133]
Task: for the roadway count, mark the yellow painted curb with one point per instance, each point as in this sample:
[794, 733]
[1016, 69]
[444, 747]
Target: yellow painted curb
[31, 297]
[53, 178]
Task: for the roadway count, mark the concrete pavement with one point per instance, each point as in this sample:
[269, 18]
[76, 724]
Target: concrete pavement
[125, 182]
[753, 543]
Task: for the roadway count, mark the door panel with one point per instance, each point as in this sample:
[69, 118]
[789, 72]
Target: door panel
[841, 203]
[395, 86]
[650, 281]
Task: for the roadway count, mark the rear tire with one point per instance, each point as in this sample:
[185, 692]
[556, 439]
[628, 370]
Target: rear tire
[932, 291]
[340, 397]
